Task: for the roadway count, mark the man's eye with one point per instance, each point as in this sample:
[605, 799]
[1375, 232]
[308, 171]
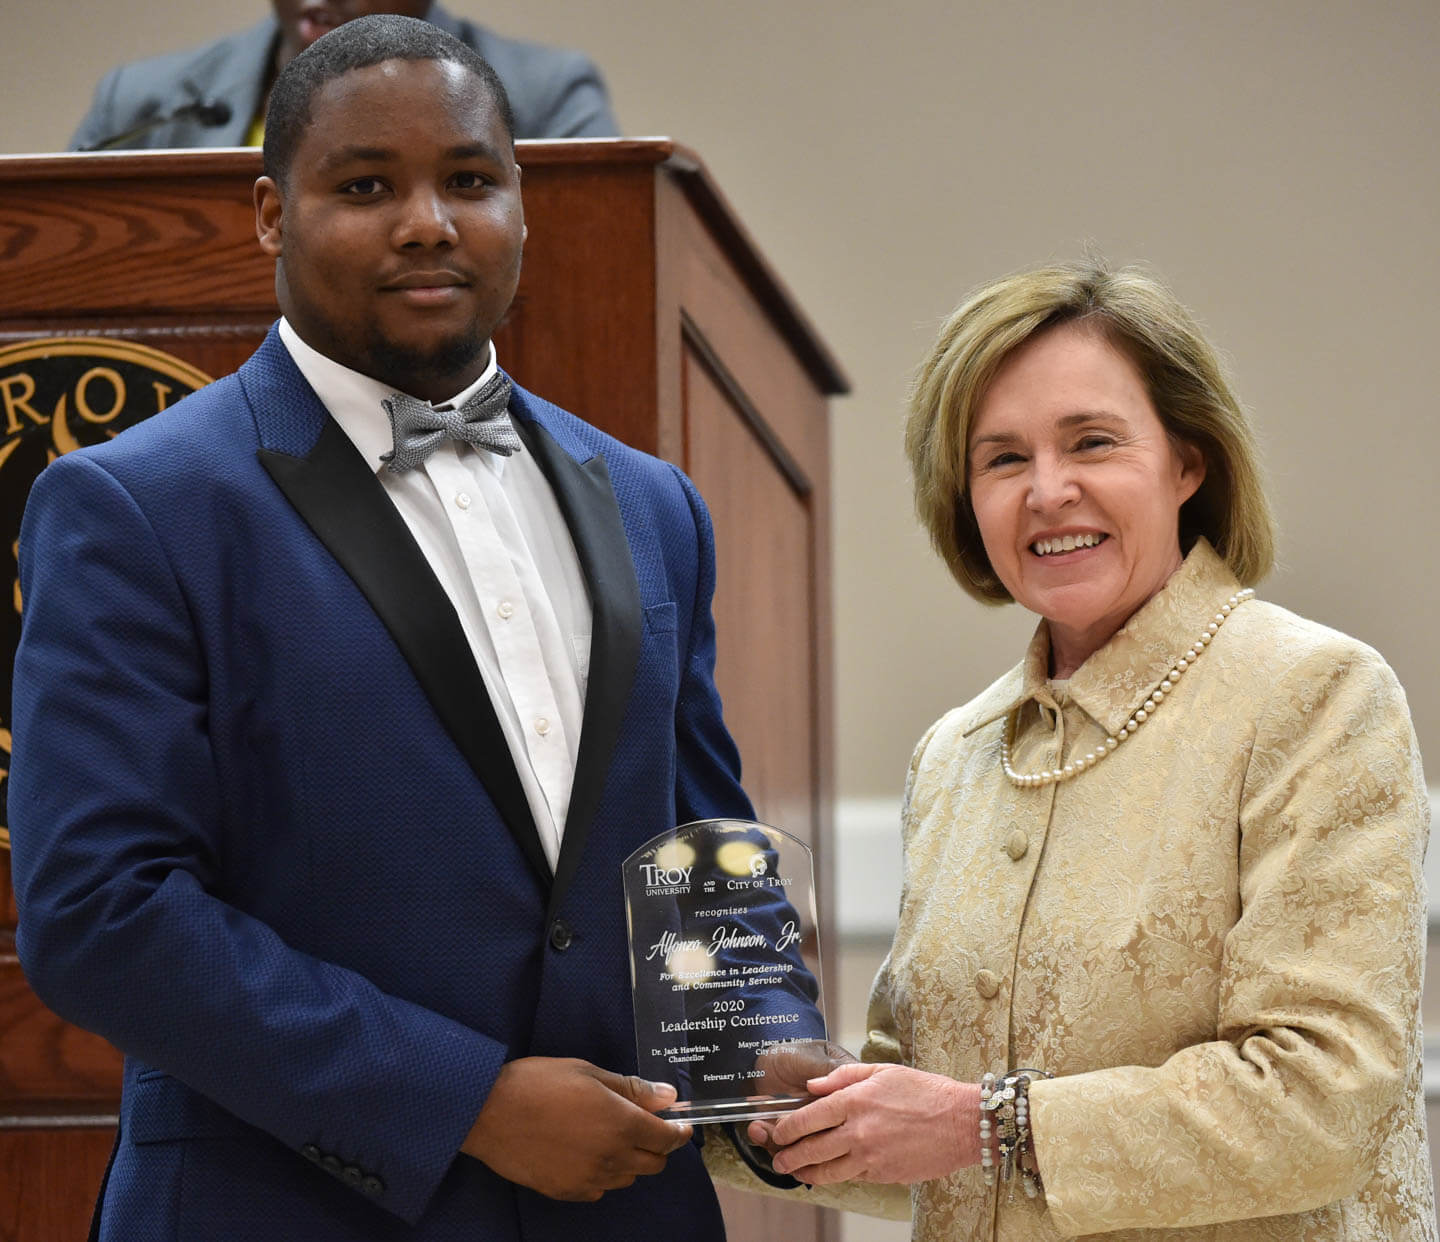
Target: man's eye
[362, 186]
[469, 181]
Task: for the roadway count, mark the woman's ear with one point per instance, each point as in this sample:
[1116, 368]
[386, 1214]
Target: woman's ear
[1190, 469]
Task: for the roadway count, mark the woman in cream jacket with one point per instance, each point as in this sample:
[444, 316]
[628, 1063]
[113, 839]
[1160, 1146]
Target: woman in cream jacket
[1171, 861]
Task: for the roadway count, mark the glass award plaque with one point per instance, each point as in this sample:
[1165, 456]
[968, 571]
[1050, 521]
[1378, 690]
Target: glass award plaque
[725, 969]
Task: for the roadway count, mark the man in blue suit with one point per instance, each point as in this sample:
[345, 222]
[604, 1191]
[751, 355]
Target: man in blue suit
[345, 687]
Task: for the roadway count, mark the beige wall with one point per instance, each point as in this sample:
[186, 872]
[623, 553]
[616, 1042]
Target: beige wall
[1276, 160]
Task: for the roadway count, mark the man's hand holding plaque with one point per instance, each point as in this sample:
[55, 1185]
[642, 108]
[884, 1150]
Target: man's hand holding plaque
[572, 1130]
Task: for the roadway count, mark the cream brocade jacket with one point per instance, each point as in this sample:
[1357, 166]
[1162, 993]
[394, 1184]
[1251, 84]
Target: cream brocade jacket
[1214, 938]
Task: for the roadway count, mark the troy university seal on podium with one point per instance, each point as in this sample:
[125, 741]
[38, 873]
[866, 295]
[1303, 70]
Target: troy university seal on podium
[59, 394]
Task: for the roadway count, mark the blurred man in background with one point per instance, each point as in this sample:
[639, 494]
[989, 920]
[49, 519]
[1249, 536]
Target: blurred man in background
[216, 95]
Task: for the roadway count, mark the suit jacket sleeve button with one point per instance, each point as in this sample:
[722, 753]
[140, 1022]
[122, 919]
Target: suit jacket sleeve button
[373, 1187]
[311, 1153]
[351, 1175]
[561, 937]
[331, 1164]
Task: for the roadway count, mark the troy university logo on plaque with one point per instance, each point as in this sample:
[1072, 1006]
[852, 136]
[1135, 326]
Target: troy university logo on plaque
[59, 394]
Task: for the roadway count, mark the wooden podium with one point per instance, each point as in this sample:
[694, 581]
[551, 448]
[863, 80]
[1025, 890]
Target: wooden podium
[643, 306]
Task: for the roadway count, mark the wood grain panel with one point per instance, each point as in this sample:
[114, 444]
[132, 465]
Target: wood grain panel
[765, 626]
[763, 608]
[185, 245]
[51, 1178]
[725, 311]
[582, 329]
[782, 387]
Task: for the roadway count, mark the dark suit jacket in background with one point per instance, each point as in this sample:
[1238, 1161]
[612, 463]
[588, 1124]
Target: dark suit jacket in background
[269, 840]
[555, 94]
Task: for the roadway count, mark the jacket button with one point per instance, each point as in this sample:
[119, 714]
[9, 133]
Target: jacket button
[331, 1164]
[351, 1175]
[373, 1187]
[1016, 844]
[311, 1153]
[561, 937]
[987, 983]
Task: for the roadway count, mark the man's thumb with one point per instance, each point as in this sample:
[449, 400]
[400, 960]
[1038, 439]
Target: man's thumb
[651, 1096]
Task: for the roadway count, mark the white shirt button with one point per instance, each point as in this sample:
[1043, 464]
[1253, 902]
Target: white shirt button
[462, 500]
[542, 725]
[504, 610]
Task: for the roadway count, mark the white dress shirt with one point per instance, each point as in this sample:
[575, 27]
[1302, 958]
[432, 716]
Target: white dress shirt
[494, 536]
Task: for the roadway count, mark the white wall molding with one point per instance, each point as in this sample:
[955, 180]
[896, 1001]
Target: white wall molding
[867, 866]
[1432, 859]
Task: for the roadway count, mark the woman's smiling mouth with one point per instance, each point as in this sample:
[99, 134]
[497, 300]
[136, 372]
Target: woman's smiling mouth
[1058, 544]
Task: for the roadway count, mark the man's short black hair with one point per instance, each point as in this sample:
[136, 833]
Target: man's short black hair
[357, 45]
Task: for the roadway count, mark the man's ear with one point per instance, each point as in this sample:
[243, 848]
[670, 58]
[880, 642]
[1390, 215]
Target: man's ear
[269, 213]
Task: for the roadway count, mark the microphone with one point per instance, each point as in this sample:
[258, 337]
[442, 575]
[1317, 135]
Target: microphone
[209, 112]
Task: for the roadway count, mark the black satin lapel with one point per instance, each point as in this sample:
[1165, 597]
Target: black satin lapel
[345, 505]
[588, 502]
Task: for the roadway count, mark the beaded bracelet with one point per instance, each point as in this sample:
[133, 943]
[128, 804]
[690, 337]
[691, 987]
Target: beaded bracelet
[1005, 1116]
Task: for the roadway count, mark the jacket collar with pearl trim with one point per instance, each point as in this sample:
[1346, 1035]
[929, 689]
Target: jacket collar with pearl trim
[1116, 679]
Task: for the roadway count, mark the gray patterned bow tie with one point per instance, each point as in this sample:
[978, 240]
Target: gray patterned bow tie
[418, 427]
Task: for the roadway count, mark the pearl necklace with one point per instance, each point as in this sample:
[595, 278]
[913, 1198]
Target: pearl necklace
[1143, 713]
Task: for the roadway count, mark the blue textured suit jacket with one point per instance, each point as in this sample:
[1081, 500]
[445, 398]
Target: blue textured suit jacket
[554, 93]
[268, 838]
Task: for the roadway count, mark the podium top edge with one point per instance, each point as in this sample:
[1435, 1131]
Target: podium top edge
[232, 161]
[667, 156]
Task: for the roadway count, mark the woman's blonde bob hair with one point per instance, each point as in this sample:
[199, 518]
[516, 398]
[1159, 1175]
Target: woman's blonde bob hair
[1138, 315]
